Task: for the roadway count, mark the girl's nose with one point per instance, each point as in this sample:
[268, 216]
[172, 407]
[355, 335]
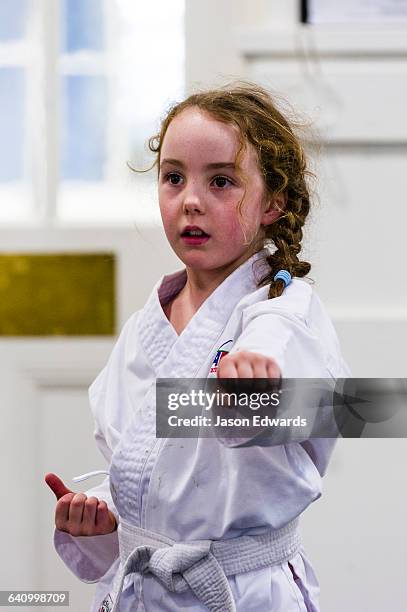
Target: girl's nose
[193, 204]
[193, 208]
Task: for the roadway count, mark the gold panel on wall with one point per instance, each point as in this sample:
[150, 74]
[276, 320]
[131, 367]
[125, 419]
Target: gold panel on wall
[57, 294]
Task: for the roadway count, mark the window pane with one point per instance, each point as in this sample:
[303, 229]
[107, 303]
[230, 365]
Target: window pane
[13, 17]
[11, 124]
[82, 25]
[83, 127]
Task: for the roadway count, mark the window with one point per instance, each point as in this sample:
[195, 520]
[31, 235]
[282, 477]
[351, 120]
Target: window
[14, 64]
[83, 84]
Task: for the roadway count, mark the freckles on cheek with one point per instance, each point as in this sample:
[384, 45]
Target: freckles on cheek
[235, 232]
[234, 226]
[232, 234]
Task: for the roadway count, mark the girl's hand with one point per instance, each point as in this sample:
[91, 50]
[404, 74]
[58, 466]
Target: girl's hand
[246, 364]
[77, 514]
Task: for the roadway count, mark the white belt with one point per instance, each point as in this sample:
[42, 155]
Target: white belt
[200, 565]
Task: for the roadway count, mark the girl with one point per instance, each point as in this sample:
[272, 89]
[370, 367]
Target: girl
[210, 523]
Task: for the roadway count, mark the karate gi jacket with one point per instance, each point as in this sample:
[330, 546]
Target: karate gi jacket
[193, 489]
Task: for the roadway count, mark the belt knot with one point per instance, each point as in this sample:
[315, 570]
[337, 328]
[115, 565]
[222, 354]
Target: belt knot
[168, 563]
[182, 566]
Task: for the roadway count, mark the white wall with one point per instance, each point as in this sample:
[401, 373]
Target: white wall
[212, 35]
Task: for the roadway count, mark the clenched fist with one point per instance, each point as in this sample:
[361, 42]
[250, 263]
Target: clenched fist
[246, 364]
[77, 514]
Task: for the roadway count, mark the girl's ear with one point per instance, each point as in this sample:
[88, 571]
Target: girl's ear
[275, 207]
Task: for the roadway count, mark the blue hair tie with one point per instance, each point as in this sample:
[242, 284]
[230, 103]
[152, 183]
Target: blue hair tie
[285, 276]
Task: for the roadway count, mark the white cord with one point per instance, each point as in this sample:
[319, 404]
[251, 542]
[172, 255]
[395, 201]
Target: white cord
[89, 475]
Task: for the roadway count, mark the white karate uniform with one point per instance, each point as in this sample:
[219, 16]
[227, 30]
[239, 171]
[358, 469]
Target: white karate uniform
[200, 489]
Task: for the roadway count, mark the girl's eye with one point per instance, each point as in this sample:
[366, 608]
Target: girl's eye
[174, 178]
[222, 181]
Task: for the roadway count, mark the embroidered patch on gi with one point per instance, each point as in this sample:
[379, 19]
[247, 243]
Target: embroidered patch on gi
[107, 604]
[220, 353]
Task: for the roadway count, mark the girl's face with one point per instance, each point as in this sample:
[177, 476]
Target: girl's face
[199, 189]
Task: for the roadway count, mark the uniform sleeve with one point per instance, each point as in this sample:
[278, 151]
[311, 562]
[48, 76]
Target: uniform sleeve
[286, 338]
[90, 557]
[301, 351]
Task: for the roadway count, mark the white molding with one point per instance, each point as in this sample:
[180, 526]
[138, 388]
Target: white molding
[301, 40]
[369, 315]
[57, 362]
[45, 121]
[62, 237]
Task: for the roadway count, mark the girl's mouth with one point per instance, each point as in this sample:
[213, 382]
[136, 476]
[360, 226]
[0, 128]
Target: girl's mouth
[194, 237]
